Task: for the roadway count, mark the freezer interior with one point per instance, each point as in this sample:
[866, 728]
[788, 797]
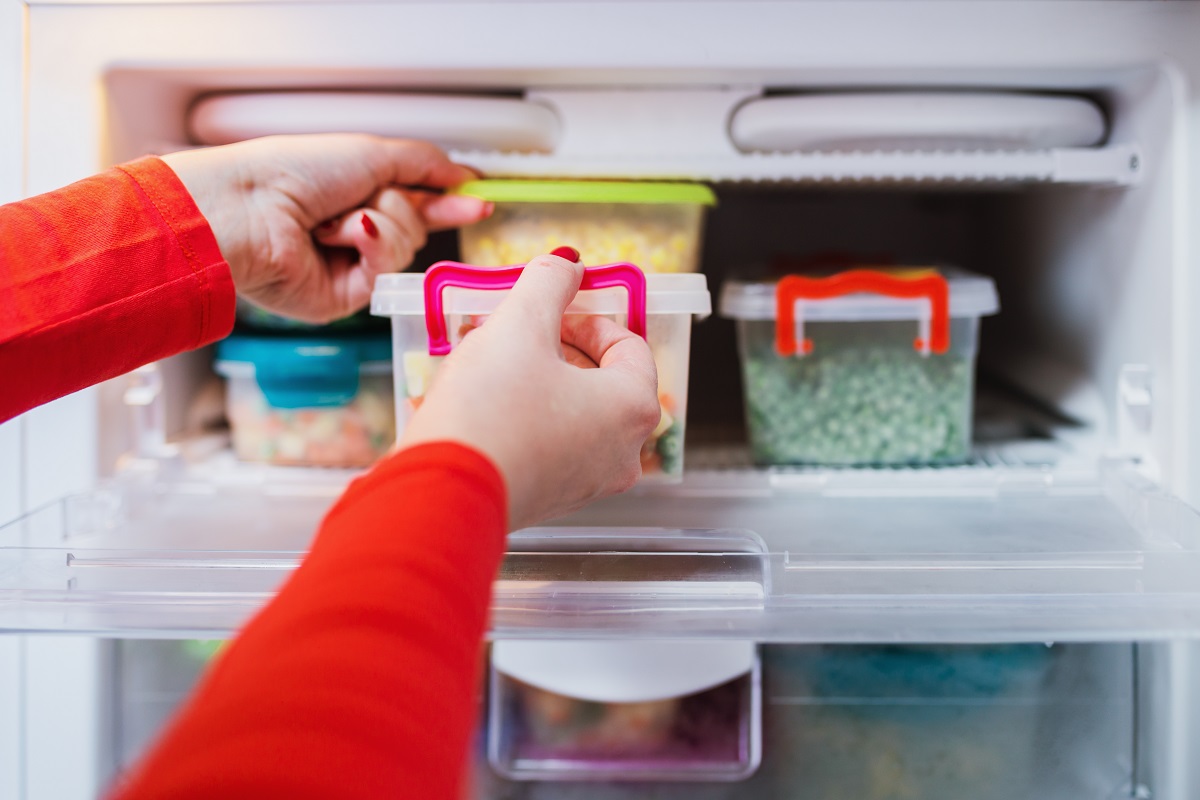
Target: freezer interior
[1019, 624]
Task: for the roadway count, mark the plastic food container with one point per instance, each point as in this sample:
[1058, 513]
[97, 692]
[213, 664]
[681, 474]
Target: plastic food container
[654, 225]
[861, 367]
[934, 722]
[430, 313]
[317, 401]
[711, 734]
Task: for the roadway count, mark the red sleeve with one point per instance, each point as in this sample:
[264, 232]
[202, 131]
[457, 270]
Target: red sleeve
[360, 679]
[101, 277]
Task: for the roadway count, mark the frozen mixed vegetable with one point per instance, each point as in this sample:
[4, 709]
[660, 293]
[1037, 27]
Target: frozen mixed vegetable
[353, 435]
[553, 720]
[661, 454]
[707, 727]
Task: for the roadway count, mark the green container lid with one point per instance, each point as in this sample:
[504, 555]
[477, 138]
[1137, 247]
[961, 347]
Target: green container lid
[523, 191]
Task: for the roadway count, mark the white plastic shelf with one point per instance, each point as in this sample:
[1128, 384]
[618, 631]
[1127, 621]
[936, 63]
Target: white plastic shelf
[970, 555]
[1115, 165]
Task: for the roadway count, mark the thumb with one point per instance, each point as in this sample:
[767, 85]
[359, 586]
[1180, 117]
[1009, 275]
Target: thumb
[541, 295]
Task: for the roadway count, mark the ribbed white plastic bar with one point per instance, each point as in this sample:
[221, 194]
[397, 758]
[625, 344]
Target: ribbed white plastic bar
[1118, 165]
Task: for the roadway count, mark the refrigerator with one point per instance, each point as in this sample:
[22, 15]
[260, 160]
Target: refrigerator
[1024, 624]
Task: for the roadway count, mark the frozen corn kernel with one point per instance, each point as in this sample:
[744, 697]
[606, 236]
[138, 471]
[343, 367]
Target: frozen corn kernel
[658, 238]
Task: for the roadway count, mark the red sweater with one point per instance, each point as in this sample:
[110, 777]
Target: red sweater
[359, 679]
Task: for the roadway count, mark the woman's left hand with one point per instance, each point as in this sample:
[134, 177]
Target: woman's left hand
[307, 222]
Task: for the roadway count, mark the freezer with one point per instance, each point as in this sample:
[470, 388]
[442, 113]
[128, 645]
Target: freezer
[982, 580]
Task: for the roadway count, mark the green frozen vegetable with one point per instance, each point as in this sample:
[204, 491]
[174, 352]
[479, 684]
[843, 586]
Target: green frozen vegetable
[857, 401]
[670, 448]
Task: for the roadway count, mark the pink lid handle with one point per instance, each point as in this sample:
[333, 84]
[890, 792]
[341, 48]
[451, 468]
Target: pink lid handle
[451, 273]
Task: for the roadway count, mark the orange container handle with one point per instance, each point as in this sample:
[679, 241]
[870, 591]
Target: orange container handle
[928, 285]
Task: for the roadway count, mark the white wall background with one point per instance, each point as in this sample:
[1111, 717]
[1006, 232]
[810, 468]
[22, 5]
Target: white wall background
[12, 15]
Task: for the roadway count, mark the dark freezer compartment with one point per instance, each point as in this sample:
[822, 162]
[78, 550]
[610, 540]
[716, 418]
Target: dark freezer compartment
[842, 721]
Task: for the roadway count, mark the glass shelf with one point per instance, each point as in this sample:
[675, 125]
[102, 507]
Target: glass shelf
[973, 554]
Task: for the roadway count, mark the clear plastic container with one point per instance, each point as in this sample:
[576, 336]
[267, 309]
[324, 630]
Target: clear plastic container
[927, 721]
[713, 734]
[657, 226]
[313, 401]
[668, 304]
[839, 379]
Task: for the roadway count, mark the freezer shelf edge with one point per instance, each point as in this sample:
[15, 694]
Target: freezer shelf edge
[1116, 563]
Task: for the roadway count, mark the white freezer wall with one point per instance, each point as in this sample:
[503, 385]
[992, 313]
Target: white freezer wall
[12, 18]
[57, 754]
[73, 128]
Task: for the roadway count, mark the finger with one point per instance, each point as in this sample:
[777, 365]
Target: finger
[442, 211]
[382, 243]
[387, 232]
[536, 304]
[406, 162]
[609, 345]
[399, 207]
[577, 358]
[326, 174]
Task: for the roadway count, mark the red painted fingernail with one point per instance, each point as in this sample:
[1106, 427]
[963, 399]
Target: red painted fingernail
[327, 225]
[369, 227]
[569, 253]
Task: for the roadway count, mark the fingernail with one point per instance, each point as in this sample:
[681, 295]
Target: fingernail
[569, 253]
[327, 225]
[488, 208]
[369, 227]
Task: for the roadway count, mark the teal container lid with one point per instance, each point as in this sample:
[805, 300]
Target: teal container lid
[533, 191]
[304, 372]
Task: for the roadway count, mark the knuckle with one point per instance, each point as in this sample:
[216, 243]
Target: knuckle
[648, 413]
[555, 264]
[628, 476]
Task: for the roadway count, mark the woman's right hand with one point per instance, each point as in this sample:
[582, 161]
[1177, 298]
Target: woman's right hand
[561, 434]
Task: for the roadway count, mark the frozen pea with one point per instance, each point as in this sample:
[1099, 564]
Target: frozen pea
[849, 403]
[670, 449]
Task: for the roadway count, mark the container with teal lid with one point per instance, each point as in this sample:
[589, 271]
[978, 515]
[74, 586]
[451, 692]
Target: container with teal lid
[315, 400]
[657, 226]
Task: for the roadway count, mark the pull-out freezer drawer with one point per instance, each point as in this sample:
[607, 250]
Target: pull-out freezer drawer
[989, 722]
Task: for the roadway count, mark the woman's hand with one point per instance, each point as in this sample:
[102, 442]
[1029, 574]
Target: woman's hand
[307, 222]
[525, 390]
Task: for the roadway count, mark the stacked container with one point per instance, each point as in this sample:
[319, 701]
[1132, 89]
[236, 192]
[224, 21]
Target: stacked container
[657, 226]
[314, 400]
[299, 394]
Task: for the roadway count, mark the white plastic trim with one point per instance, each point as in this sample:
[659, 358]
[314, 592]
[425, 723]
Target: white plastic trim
[403, 294]
[1117, 165]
